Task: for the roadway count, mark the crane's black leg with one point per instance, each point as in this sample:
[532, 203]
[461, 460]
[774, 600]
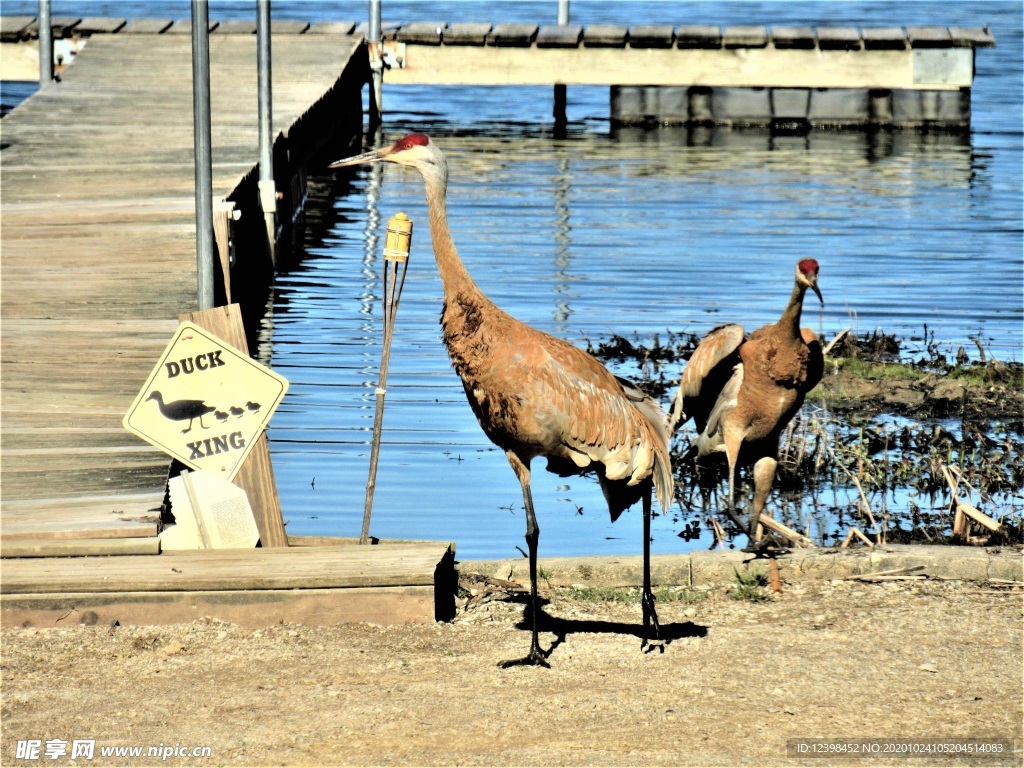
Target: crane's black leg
[651, 629]
[522, 470]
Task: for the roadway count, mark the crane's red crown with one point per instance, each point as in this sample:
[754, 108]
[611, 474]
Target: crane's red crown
[410, 141]
[808, 267]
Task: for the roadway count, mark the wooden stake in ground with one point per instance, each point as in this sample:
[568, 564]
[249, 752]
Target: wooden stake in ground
[396, 263]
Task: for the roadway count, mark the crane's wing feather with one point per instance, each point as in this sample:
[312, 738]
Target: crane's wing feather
[712, 438]
[815, 358]
[599, 419]
[706, 373]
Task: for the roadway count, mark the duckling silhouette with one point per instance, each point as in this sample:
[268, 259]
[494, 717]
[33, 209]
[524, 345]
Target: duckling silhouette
[236, 411]
[220, 416]
[179, 410]
[253, 407]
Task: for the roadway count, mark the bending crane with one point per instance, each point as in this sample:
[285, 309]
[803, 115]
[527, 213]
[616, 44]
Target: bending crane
[741, 393]
[537, 395]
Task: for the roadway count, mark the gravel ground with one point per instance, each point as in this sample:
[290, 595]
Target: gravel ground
[921, 660]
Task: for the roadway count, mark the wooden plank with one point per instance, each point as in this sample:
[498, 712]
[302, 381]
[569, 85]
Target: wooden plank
[288, 27]
[964, 37]
[512, 35]
[312, 607]
[128, 515]
[388, 29]
[883, 38]
[801, 38]
[839, 38]
[559, 36]
[14, 28]
[184, 27]
[699, 36]
[237, 27]
[79, 547]
[94, 25]
[765, 67]
[256, 475]
[421, 32]
[745, 36]
[651, 36]
[146, 26]
[929, 37]
[605, 36]
[60, 26]
[331, 28]
[467, 33]
[231, 569]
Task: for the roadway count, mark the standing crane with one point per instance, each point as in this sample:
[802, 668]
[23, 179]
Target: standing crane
[741, 393]
[537, 395]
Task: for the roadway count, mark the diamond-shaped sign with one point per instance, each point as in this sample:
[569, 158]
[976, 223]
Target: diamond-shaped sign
[205, 403]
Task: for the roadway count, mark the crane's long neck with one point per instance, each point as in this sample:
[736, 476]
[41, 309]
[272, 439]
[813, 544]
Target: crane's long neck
[454, 276]
[789, 323]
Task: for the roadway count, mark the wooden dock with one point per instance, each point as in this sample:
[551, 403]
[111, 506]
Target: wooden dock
[827, 76]
[98, 261]
[98, 252]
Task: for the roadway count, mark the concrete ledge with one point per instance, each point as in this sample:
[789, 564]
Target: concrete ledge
[719, 566]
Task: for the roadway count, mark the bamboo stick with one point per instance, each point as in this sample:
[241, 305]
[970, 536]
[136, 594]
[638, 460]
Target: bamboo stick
[797, 538]
[962, 507]
[396, 263]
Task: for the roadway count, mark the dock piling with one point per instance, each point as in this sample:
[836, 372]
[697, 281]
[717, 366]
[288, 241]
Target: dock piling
[203, 152]
[560, 93]
[267, 187]
[45, 44]
[375, 46]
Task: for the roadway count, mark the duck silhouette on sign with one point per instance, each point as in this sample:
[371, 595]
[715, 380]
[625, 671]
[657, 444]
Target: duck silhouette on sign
[253, 407]
[236, 411]
[179, 410]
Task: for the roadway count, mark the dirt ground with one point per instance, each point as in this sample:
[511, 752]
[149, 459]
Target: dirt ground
[920, 660]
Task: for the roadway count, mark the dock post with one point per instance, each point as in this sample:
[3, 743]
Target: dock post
[45, 44]
[560, 94]
[203, 152]
[375, 46]
[267, 188]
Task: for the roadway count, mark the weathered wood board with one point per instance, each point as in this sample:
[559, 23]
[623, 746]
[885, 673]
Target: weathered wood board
[319, 584]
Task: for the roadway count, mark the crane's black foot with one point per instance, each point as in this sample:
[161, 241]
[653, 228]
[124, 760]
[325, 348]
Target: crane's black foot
[652, 631]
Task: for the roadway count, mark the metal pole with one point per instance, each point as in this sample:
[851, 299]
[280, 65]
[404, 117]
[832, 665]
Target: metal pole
[374, 45]
[560, 95]
[268, 192]
[203, 151]
[45, 44]
[563, 12]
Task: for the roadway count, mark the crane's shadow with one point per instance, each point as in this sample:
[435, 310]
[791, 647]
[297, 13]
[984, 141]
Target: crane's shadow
[562, 628]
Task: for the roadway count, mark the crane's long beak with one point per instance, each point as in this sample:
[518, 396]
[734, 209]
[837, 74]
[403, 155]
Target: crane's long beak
[373, 156]
[814, 287]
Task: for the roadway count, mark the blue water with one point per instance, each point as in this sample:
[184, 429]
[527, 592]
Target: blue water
[610, 231]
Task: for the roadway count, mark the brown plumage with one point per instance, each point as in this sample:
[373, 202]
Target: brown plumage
[537, 395]
[741, 393]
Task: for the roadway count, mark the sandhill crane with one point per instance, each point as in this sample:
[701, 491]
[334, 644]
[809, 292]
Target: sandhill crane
[179, 410]
[537, 395]
[742, 394]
